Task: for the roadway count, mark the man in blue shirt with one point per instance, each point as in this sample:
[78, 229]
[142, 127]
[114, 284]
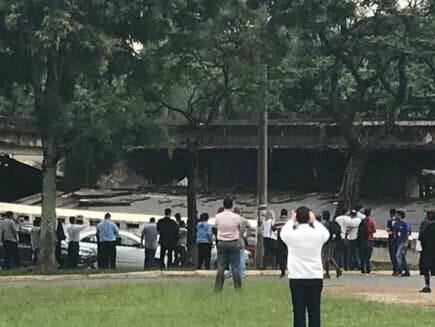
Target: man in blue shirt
[107, 233]
[204, 239]
[401, 231]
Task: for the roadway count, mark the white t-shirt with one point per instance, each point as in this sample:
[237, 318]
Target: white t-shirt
[73, 231]
[266, 229]
[352, 232]
[304, 244]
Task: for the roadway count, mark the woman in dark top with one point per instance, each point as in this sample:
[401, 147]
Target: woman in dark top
[60, 236]
[427, 257]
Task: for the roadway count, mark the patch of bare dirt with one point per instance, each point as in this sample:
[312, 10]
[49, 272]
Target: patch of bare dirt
[385, 294]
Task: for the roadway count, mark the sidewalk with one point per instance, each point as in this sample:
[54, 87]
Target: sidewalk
[157, 274]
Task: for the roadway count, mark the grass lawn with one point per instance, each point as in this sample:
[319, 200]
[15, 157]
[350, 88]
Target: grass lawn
[187, 302]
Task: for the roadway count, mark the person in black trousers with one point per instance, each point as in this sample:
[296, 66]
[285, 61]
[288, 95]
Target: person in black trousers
[168, 240]
[60, 236]
[281, 249]
[305, 237]
[392, 248]
[9, 236]
[204, 240]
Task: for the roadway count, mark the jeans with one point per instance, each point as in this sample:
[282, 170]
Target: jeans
[163, 250]
[228, 253]
[328, 256]
[10, 253]
[180, 256]
[402, 266]
[306, 296]
[108, 255]
[366, 250]
[281, 256]
[269, 252]
[73, 254]
[242, 264]
[204, 255]
[354, 260]
[149, 258]
[340, 253]
[58, 253]
[392, 249]
[35, 253]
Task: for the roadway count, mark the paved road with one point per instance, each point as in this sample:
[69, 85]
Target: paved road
[414, 281]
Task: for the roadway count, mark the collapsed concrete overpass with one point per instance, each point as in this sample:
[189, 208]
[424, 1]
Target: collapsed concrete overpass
[306, 156]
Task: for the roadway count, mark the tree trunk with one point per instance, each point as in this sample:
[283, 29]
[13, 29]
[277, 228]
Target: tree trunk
[262, 172]
[192, 212]
[46, 259]
[350, 188]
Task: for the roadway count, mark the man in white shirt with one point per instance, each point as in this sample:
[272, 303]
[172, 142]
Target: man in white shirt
[269, 239]
[352, 237]
[228, 245]
[73, 231]
[304, 237]
[349, 257]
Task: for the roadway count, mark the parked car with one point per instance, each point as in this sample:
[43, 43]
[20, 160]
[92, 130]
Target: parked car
[87, 256]
[129, 251]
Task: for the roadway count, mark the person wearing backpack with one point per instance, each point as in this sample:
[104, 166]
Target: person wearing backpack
[329, 247]
[366, 231]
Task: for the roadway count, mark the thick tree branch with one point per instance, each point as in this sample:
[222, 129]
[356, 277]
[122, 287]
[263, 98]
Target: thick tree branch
[399, 101]
[182, 112]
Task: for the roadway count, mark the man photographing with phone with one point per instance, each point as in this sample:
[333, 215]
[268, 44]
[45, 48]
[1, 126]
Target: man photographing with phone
[304, 237]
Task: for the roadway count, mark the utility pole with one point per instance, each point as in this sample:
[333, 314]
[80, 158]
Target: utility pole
[261, 184]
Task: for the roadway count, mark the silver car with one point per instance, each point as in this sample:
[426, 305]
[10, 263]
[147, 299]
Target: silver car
[129, 251]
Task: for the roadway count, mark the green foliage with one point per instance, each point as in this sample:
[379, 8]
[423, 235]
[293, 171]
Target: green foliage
[103, 124]
[364, 42]
[61, 65]
[213, 61]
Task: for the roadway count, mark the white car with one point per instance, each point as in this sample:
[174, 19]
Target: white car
[129, 251]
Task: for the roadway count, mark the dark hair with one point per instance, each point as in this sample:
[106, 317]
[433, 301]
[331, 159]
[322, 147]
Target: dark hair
[72, 220]
[368, 212]
[152, 220]
[204, 216]
[228, 203]
[177, 216]
[392, 212]
[168, 212]
[9, 214]
[358, 207]
[221, 209]
[107, 216]
[37, 222]
[430, 216]
[326, 215]
[182, 224]
[401, 213]
[284, 212]
[343, 211]
[302, 215]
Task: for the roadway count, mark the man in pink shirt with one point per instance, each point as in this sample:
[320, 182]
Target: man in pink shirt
[228, 245]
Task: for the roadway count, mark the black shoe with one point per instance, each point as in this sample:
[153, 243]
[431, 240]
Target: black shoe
[406, 274]
[339, 273]
[326, 276]
[426, 290]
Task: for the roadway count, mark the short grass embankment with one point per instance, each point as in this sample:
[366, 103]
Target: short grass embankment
[190, 303]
